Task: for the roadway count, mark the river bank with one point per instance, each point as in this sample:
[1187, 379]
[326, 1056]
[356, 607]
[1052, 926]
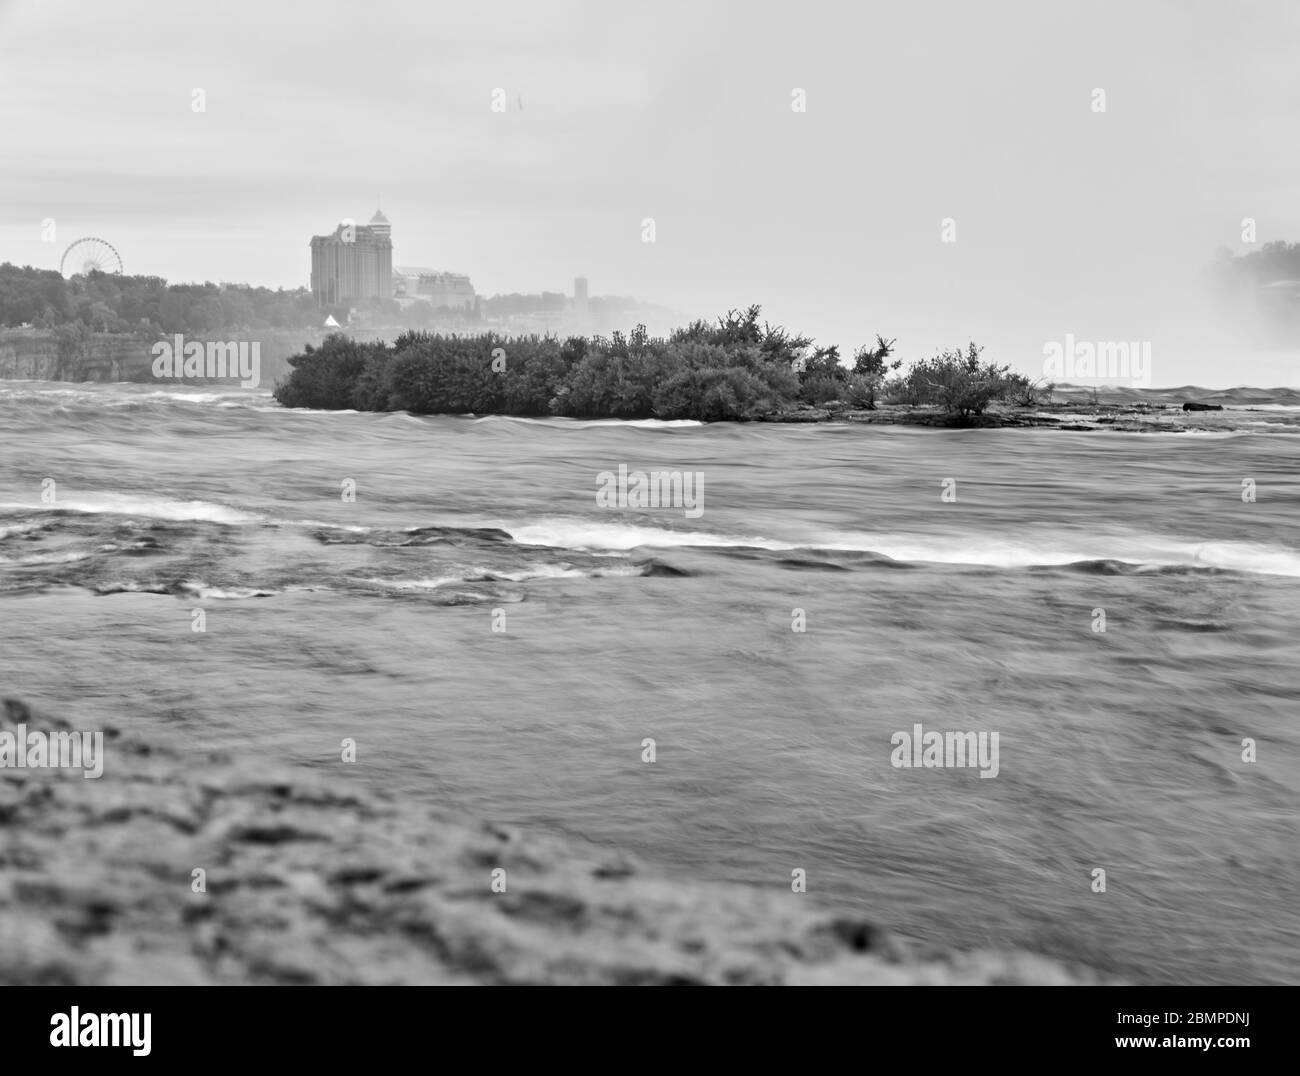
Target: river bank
[50, 355]
[315, 880]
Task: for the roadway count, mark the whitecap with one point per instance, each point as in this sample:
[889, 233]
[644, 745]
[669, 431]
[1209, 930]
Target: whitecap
[149, 507]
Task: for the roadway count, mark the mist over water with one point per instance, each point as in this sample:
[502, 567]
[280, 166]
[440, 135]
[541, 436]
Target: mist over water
[373, 619]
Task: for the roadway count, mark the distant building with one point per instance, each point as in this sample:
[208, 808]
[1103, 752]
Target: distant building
[580, 296]
[356, 262]
[380, 226]
[415, 284]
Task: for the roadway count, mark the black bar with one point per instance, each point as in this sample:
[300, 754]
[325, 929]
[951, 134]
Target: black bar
[334, 1026]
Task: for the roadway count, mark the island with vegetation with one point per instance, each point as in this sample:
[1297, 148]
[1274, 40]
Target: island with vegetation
[738, 368]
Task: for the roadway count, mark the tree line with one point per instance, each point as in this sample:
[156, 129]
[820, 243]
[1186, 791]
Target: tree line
[148, 306]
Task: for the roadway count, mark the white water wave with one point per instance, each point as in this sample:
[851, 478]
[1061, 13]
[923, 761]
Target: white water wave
[1047, 550]
[125, 504]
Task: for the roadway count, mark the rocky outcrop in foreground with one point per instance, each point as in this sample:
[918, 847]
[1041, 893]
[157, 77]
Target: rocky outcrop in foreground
[315, 880]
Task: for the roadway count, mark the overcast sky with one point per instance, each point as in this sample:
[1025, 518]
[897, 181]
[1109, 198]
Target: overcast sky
[1067, 220]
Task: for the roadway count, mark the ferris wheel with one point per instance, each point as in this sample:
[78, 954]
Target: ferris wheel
[90, 254]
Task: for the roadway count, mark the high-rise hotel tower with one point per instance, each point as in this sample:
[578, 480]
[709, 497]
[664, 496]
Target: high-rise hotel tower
[356, 262]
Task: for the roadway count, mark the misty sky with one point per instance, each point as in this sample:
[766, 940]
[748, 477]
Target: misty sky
[1068, 221]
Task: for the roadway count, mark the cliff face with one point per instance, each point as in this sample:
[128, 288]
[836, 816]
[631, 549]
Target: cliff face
[55, 355]
[313, 878]
[40, 354]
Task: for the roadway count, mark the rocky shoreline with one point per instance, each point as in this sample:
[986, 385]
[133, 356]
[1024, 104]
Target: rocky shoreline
[313, 879]
[1124, 417]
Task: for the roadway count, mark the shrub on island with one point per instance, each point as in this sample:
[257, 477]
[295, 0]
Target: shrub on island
[327, 377]
[957, 382]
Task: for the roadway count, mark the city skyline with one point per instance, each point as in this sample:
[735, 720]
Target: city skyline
[401, 275]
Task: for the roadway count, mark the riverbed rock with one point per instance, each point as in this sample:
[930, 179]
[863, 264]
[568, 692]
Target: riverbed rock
[311, 877]
[802, 414]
